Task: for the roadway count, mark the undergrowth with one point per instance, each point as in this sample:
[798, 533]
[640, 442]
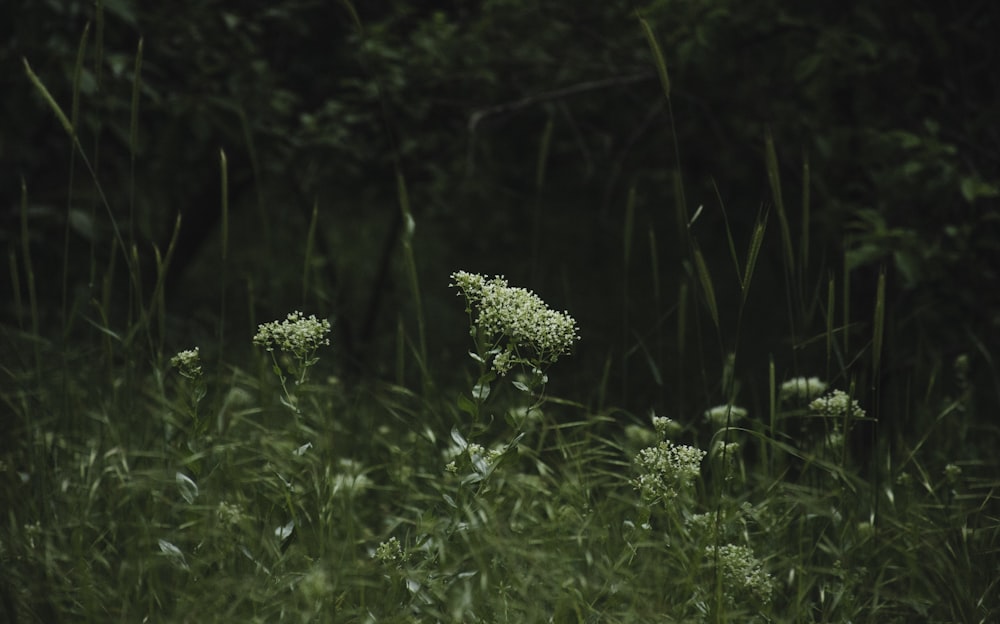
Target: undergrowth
[147, 484]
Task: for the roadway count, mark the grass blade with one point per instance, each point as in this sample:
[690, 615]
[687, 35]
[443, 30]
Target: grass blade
[774, 178]
[729, 234]
[410, 261]
[830, 296]
[310, 245]
[806, 216]
[658, 59]
[756, 240]
[879, 326]
[224, 206]
[706, 285]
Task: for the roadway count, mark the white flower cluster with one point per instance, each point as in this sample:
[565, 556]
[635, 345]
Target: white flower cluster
[389, 551]
[230, 514]
[801, 388]
[742, 572]
[665, 427]
[482, 459]
[520, 317]
[297, 334]
[666, 469]
[719, 414]
[352, 481]
[837, 404]
[187, 363]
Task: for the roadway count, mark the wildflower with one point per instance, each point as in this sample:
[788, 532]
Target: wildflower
[728, 452]
[666, 469]
[389, 551]
[837, 404]
[519, 326]
[315, 585]
[187, 363]
[639, 436]
[701, 523]
[480, 459]
[720, 414]
[229, 513]
[741, 572]
[352, 481]
[665, 427]
[297, 334]
[801, 388]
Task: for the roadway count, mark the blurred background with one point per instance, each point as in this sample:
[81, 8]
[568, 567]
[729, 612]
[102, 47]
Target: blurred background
[529, 139]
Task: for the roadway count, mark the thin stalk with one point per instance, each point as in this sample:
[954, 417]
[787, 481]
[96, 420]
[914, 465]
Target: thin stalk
[15, 282]
[224, 199]
[627, 236]
[410, 263]
[29, 272]
[541, 169]
[310, 247]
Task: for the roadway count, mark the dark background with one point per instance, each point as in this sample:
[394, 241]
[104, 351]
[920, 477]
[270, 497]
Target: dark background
[893, 105]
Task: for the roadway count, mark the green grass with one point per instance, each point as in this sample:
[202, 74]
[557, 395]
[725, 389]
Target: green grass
[266, 488]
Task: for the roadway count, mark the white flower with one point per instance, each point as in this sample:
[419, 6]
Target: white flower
[837, 404]
[666, 469]
[187, 363]
[297, 334]
[352, 481]
[531, 330]
[720, 414]
[801, 388]
[229, 513]
[741, 572]
[389, 551]
[665, 427]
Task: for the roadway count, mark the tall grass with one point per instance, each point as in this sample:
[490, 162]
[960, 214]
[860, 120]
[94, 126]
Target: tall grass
[145, 490]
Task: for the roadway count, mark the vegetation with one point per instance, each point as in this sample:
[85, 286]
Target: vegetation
[239, 385]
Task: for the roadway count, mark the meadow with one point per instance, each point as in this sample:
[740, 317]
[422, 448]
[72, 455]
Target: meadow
[155, 468]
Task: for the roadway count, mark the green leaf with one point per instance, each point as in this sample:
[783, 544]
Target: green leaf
[187, 486]
[467, 405]
[481, 391]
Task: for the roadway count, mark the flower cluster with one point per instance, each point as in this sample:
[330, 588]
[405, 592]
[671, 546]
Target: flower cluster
[352, 481]
[519, 317]
[187, 363]
[741, 572]
[481, 459]
[389, 551]
[801, 388]
[952, 472]
[297, 334]
[230, 514]
[721, 414]
[665, 427]
[837, 404]
[666, 469]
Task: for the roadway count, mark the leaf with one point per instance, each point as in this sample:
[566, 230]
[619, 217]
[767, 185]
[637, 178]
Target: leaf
[459, 440]
[284, 532]
[173, 553]
[481, 391]
[466, 405]
[188, 488]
